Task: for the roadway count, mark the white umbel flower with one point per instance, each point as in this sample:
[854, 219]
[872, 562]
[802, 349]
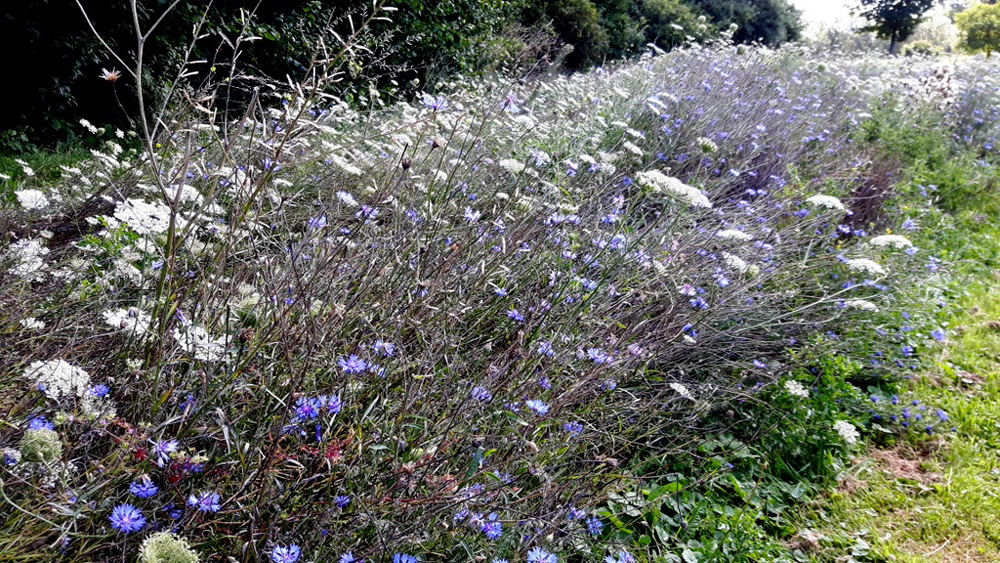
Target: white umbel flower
[131, 319]
[56, 378]
[847, 431]
[511, 165]
[827, 201]
[866, 266]
[797, 389]
[661, 183]
[32, 199]
[895, 241]
[862, 304]
[733, 234]
[734, 262]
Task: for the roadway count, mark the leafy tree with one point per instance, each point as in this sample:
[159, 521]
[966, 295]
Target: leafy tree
[670, 22]
[980, 25]
[771, 22]
[894, 20]
[575, 22]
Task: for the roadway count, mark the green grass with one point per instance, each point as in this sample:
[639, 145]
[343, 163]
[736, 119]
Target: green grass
[936, 498]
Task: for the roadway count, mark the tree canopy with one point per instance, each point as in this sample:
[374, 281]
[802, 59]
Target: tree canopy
[894, 20]
[980, 25]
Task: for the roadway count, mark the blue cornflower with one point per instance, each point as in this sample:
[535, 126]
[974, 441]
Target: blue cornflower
[332, 403]
[574, 428]
[100, 390]
[491, 527]
[500, 291]
[594, 525]
[341, 500]
[539, 555]
[127, 518]
[480, 393]
[942, 415]
[403, 558]
[352, 364]
[384, 348]
[538, 406]
[937, 334]
[545, 348]
[500, 560]
[348, 557]
[515, 314]
[317, 222]
[623, 557]
[143, 488]
[39, 421]
[576, 514]
[598, 356]
[206, 501]
[162, 449]
[282, 554]
[306, 408]
[906, 350]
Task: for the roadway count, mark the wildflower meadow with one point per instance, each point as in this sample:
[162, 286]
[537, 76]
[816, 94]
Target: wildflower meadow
[631, 314]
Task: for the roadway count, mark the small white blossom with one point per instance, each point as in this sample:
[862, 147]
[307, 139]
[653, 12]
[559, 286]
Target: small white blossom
[28, 257]
[632, 148]
[131, 319]
[827, 201]
[142, 217]
[734, 262]
[681, 390]
[31, 323]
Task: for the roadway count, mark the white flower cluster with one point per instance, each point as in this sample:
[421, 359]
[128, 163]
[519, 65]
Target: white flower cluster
[733, 234]
[706, 145]
[31, 323]
[661, 183]
[847, 431]
[196, 341]
[681, 390]
[57, 378]
[511, 165]
[32, 199]
[827, 201]
[28, 259]
[862, 304]
[132, 320]
[895, 241]
[734, 262]
[142, 217]
[797, 389]
[866, 266]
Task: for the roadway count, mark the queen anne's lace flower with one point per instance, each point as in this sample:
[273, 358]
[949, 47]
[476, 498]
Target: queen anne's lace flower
[827, 201]
[32, 199]
[28, 259]
[57, 378]
[661, 183]
[862, 304]
[895, 241]
[866, 266]
[795, 388]
[847, 431]
[733, 234]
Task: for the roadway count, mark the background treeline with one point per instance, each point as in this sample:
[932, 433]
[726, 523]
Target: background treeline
[56, 60]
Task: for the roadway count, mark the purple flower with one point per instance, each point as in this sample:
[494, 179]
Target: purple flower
[332, 403]
[143, 488]
[352, 364]
[515, 314]
[937, 334]
[384, 348]
[127, 518]
[491, 527]
[99, 390]
[598, 356]
[206, 501]
[574, 428]
[282, 554]
[348, 557]
[39, 421]
[403, 558]
[162, 449]
[306, 408]
[594, 525]
[480, 393]
[538, 406]
[539, 555]
[341, 500]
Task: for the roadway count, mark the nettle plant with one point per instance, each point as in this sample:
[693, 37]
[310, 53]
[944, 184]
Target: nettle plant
[447, 328]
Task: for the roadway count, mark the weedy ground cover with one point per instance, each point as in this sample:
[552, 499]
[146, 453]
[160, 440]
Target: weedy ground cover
[595, 315]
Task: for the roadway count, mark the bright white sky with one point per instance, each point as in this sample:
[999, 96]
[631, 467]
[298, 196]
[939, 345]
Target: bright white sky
[826, 13]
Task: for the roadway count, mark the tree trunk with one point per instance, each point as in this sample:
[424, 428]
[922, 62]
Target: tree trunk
[892, 45]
